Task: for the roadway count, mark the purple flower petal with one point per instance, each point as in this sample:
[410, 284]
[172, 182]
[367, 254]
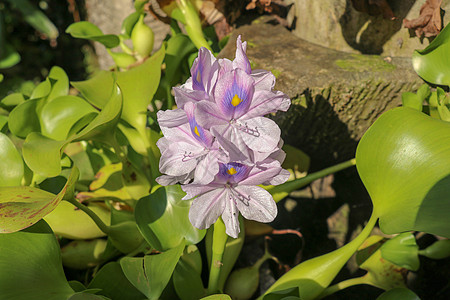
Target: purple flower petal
[234, 93]
[231, 141]
[197, 131]
[179, 159]
[262, 173]
[193, 190]
[259, 134]
[265, 102]
[206, 208]
[230, 217]
[255, 203]
[264, 80]
[204, 71]
[207, 168]
[171, 117]
[232, 172]
[171, 180]
[183, 96]
[241, 61]
[208, 114]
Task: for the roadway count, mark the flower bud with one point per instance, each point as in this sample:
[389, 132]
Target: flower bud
[122, 60]
[242, 283]
[142, 37]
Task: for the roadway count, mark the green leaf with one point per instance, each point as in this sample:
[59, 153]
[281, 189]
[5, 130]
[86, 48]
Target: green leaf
[31, 264]
[151, 273]
[43, 154]
[113, 283]
[138, 86]
[398, 293]
[296, 160]
[380, 272]
[187, 275]
[402, 251]
[87, 30]
[60, 87]
[42, 90]
[83, 254]
[412, 100]
[217, 297]
[23, 206]
[432, 63]
[163, 219]
[23, 119]
[129, 22]
[36, 18]
[178, 47]
[12, 100]
[11, 164]
[402, 161]
[438, 250]
[91, 91]
[63, 219]
[9, 58]
[59, 115]
[125, 236]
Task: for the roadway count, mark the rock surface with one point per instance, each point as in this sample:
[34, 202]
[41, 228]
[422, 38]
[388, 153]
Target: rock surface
[335, 96]
[336, 24]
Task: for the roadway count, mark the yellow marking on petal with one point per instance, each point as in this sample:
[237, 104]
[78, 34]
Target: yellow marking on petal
[236, 100]
[231, 171]
[199, 76]
[196, 131]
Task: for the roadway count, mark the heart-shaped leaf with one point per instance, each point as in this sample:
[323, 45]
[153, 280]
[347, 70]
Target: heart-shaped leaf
[23, 206]
[31, 264]
[122, 289]
[402, 251]
[433, 63]
[186, 278]
[398, 293]
[24, 119]
[69, 222]
[163, 219]
[60, 86]
[403, 162]
[59, 115]
[151, 273]
[43, 155]
[138, 86]
[11, 164]
[87, 30]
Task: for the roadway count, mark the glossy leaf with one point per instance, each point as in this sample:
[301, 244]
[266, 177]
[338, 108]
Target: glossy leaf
[87, 30]
[11, 164]
[43, 154]
[59, 115]
[36, 18]
[380, 272]
[89, 88]
[24, 119]
[187, 275]
[60, 86]
[83, 254]
[397, 294]
[31, 264]
[217, 297]
[69, 222]
[151, 273]
[129, 22]
[433, 63]
[113, 283]
[402, 251]
[310, 277]
[438, 250]
[178, 47]
[412, 100]
[125, 236]
[403, 168]
[9, 58]
[23, 206]
[12, 100]
[163, 219]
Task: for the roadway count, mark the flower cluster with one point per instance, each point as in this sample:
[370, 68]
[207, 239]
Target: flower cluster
[219, 145]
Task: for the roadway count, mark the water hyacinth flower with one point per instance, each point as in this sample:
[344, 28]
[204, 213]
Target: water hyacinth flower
[219, 146]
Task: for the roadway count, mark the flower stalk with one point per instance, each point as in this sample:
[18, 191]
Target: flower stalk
[102, 226]
[218, 247]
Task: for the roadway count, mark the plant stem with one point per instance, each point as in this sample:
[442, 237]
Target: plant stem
[103, 227]
[342, 285]
[218, 247]
[281, 191]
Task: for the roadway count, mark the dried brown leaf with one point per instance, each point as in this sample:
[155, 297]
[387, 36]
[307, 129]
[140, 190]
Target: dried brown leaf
[429, 22]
